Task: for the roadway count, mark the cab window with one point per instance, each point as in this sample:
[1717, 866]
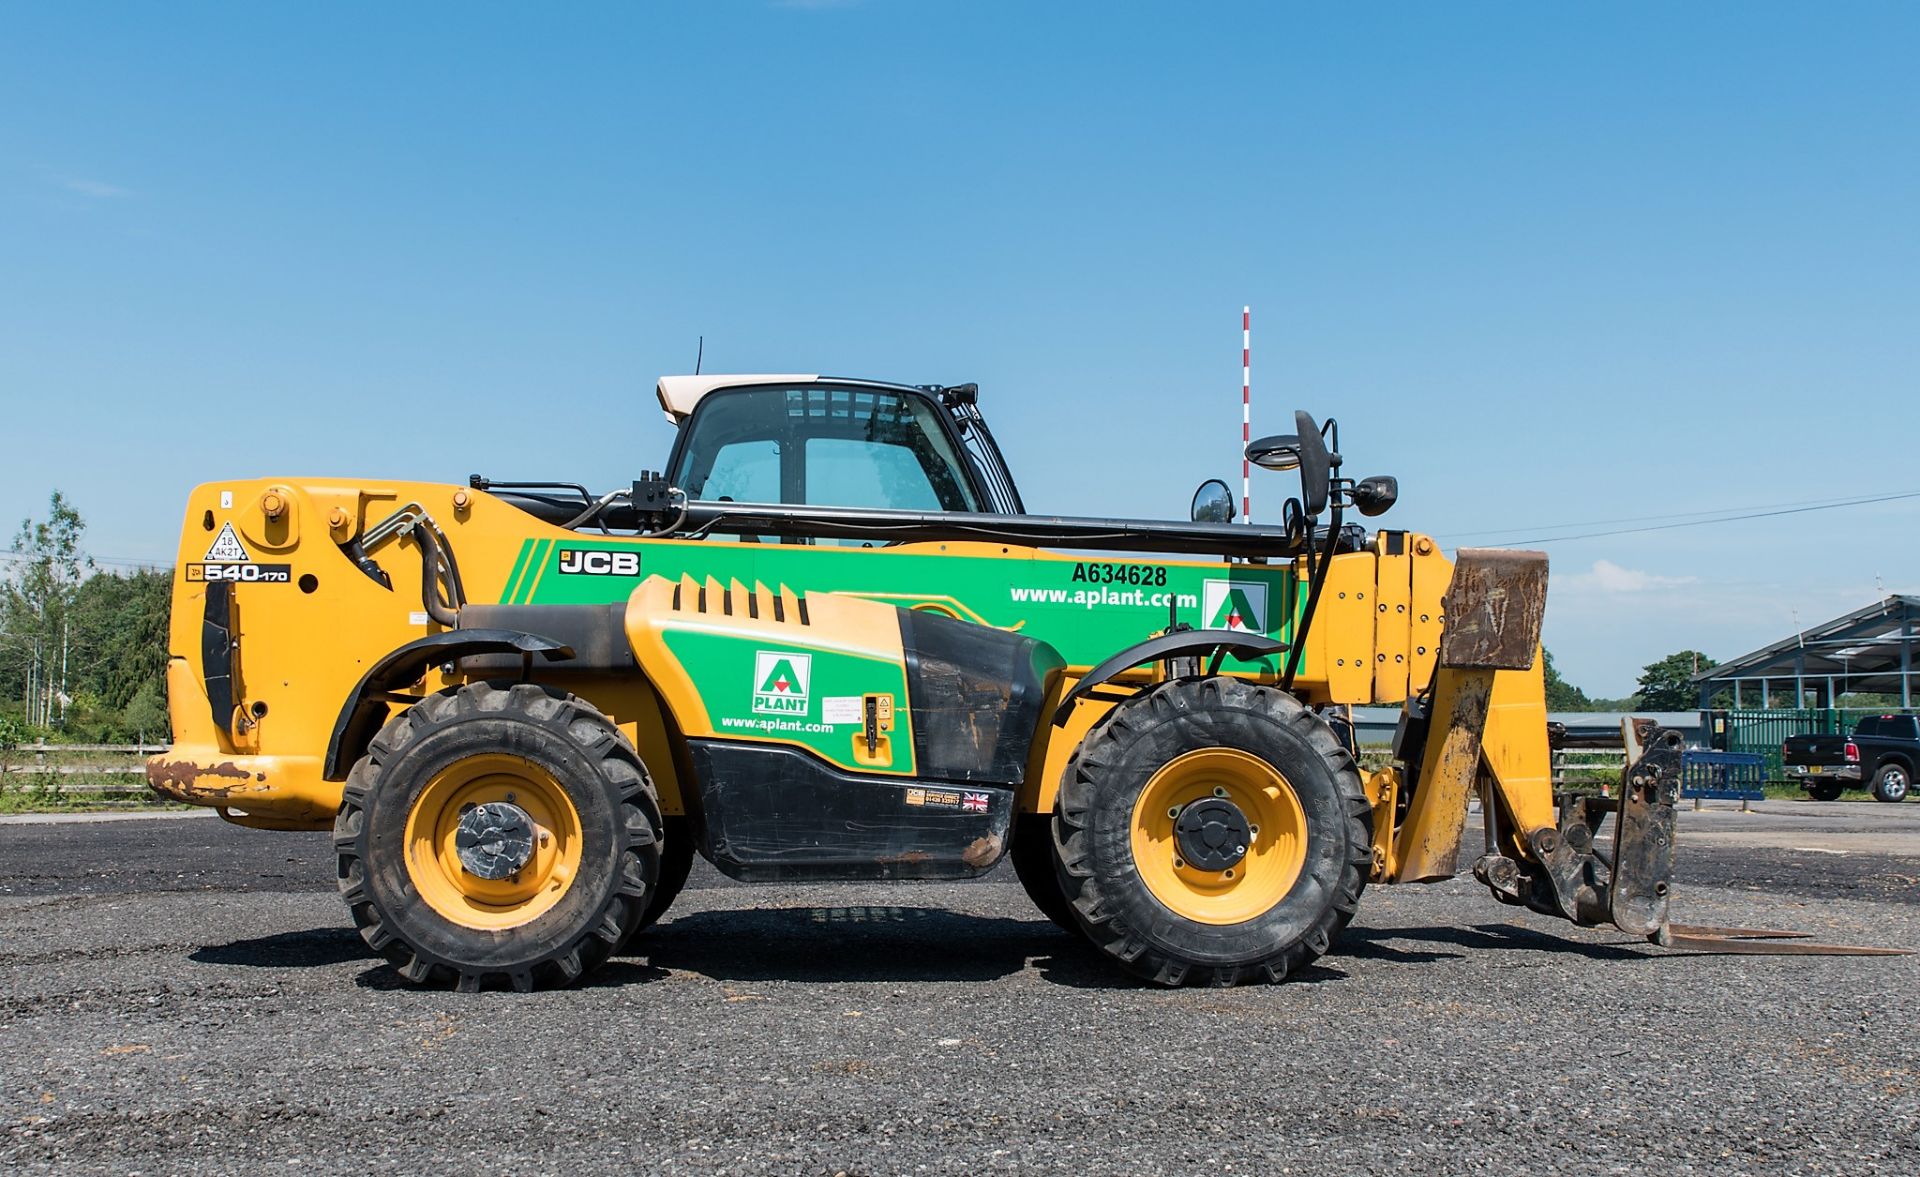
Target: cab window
[841, 447]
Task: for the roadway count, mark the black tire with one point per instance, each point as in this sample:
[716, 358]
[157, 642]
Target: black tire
[1093, 838]
[586, 757]
[1892, 783]
[1825, 791]
[1032, 854]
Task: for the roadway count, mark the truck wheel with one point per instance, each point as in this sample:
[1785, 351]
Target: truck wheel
[1891, 783]
[1032, 854]
[1212, 831]
[499, 832]
[1825, 791]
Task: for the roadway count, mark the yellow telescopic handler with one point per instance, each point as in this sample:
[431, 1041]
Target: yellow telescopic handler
[829, 642]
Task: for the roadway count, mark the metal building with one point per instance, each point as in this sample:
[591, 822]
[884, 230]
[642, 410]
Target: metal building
[1867, 650]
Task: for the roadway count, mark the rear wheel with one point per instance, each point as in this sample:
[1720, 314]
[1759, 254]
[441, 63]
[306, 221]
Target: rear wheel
[1891, 783]
[498, 833]
[1212, 831]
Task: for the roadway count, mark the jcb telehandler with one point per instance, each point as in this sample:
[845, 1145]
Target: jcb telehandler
[830, 643]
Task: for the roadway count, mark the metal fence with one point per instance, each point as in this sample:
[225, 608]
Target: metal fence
[71, 769]
[1760, 733]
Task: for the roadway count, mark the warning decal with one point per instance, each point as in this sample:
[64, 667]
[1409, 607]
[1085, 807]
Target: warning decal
[226, 548]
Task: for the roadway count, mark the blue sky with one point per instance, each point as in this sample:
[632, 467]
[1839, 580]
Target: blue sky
[1549, 264]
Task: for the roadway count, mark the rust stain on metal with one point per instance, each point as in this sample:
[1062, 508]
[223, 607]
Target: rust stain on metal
[1493, 609]
[982, 851]
[180, 779]
[905, 858]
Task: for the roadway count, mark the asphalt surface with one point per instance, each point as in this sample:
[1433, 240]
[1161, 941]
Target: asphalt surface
[183, 995]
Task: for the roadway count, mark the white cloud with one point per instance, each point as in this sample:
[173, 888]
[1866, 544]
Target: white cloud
[98, 189]
[1607, 577]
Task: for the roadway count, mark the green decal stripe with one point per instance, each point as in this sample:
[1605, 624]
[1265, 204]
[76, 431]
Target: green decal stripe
[535, 569]
[524, 591]
[519, 569]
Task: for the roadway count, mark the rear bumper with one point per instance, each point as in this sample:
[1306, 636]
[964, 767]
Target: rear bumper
[1812, 774]
[265, 792]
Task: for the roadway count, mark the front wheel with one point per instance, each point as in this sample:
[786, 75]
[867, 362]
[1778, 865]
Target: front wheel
[499, 832]
[1212, 831]
[1891, 783]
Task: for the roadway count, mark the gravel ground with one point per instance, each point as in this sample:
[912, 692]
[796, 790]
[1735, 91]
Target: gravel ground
[187, 996]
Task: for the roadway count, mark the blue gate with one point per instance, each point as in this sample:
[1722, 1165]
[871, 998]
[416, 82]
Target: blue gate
[1723, 776]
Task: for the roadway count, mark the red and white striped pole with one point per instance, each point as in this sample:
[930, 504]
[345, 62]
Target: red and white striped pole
[1246, 413]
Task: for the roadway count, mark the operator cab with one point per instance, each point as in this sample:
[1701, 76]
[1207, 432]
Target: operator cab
[808, 440]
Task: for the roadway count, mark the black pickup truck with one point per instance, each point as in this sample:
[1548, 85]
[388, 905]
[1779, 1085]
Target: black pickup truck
[1881, 755]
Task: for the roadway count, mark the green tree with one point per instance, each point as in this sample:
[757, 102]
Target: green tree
[1667, 685]
[146, 716]
[13, 733]
[36, 600]
[1561, 694]
[119, 636]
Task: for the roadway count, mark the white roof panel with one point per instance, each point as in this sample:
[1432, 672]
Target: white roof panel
[679, 394]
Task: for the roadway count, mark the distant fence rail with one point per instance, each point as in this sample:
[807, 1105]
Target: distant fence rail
[61, 762]
[1713, 776]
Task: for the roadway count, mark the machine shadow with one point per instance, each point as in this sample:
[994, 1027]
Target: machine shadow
[1376, 944]
[872, 943]
[818, 945]
[313, 948]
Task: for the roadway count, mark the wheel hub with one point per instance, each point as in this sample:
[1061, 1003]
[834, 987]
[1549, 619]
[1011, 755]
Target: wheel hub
[1212, 834]
[494, 840]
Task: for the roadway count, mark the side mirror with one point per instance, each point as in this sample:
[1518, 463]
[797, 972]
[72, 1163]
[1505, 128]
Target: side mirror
[1212, 503]
[1316, 464]
[1279, 452]
[1304, 450]
[1372, 496]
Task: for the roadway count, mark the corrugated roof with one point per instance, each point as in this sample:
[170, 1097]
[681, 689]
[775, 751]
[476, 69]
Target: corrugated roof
[1862, 646]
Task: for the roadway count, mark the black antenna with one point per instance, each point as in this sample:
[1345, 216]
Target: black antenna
[699, 355]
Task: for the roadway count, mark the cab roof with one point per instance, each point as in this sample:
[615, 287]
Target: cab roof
[679, 394]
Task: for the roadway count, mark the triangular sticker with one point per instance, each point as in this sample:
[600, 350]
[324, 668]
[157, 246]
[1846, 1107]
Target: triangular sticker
[226, 548]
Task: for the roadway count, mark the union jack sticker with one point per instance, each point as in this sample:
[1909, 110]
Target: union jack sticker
[974, 802]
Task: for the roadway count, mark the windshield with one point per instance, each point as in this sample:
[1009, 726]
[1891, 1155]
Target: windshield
[842, 447]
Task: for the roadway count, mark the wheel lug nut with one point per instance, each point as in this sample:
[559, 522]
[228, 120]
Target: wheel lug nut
[1174, 811]
[1219, 792]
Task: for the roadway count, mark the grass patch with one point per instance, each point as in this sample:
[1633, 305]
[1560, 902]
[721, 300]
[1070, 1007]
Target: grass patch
[78, 793]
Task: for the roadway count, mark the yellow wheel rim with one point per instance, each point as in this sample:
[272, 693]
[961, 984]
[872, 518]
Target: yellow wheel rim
[1276, 851]
[433, 857]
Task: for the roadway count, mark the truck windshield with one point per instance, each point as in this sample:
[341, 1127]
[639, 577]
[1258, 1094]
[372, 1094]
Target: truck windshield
[842, 447]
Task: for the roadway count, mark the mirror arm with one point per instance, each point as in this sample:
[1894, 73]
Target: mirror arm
[1317, 575]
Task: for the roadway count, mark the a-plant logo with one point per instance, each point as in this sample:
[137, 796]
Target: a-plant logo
[1235, 604]
[780, 682]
